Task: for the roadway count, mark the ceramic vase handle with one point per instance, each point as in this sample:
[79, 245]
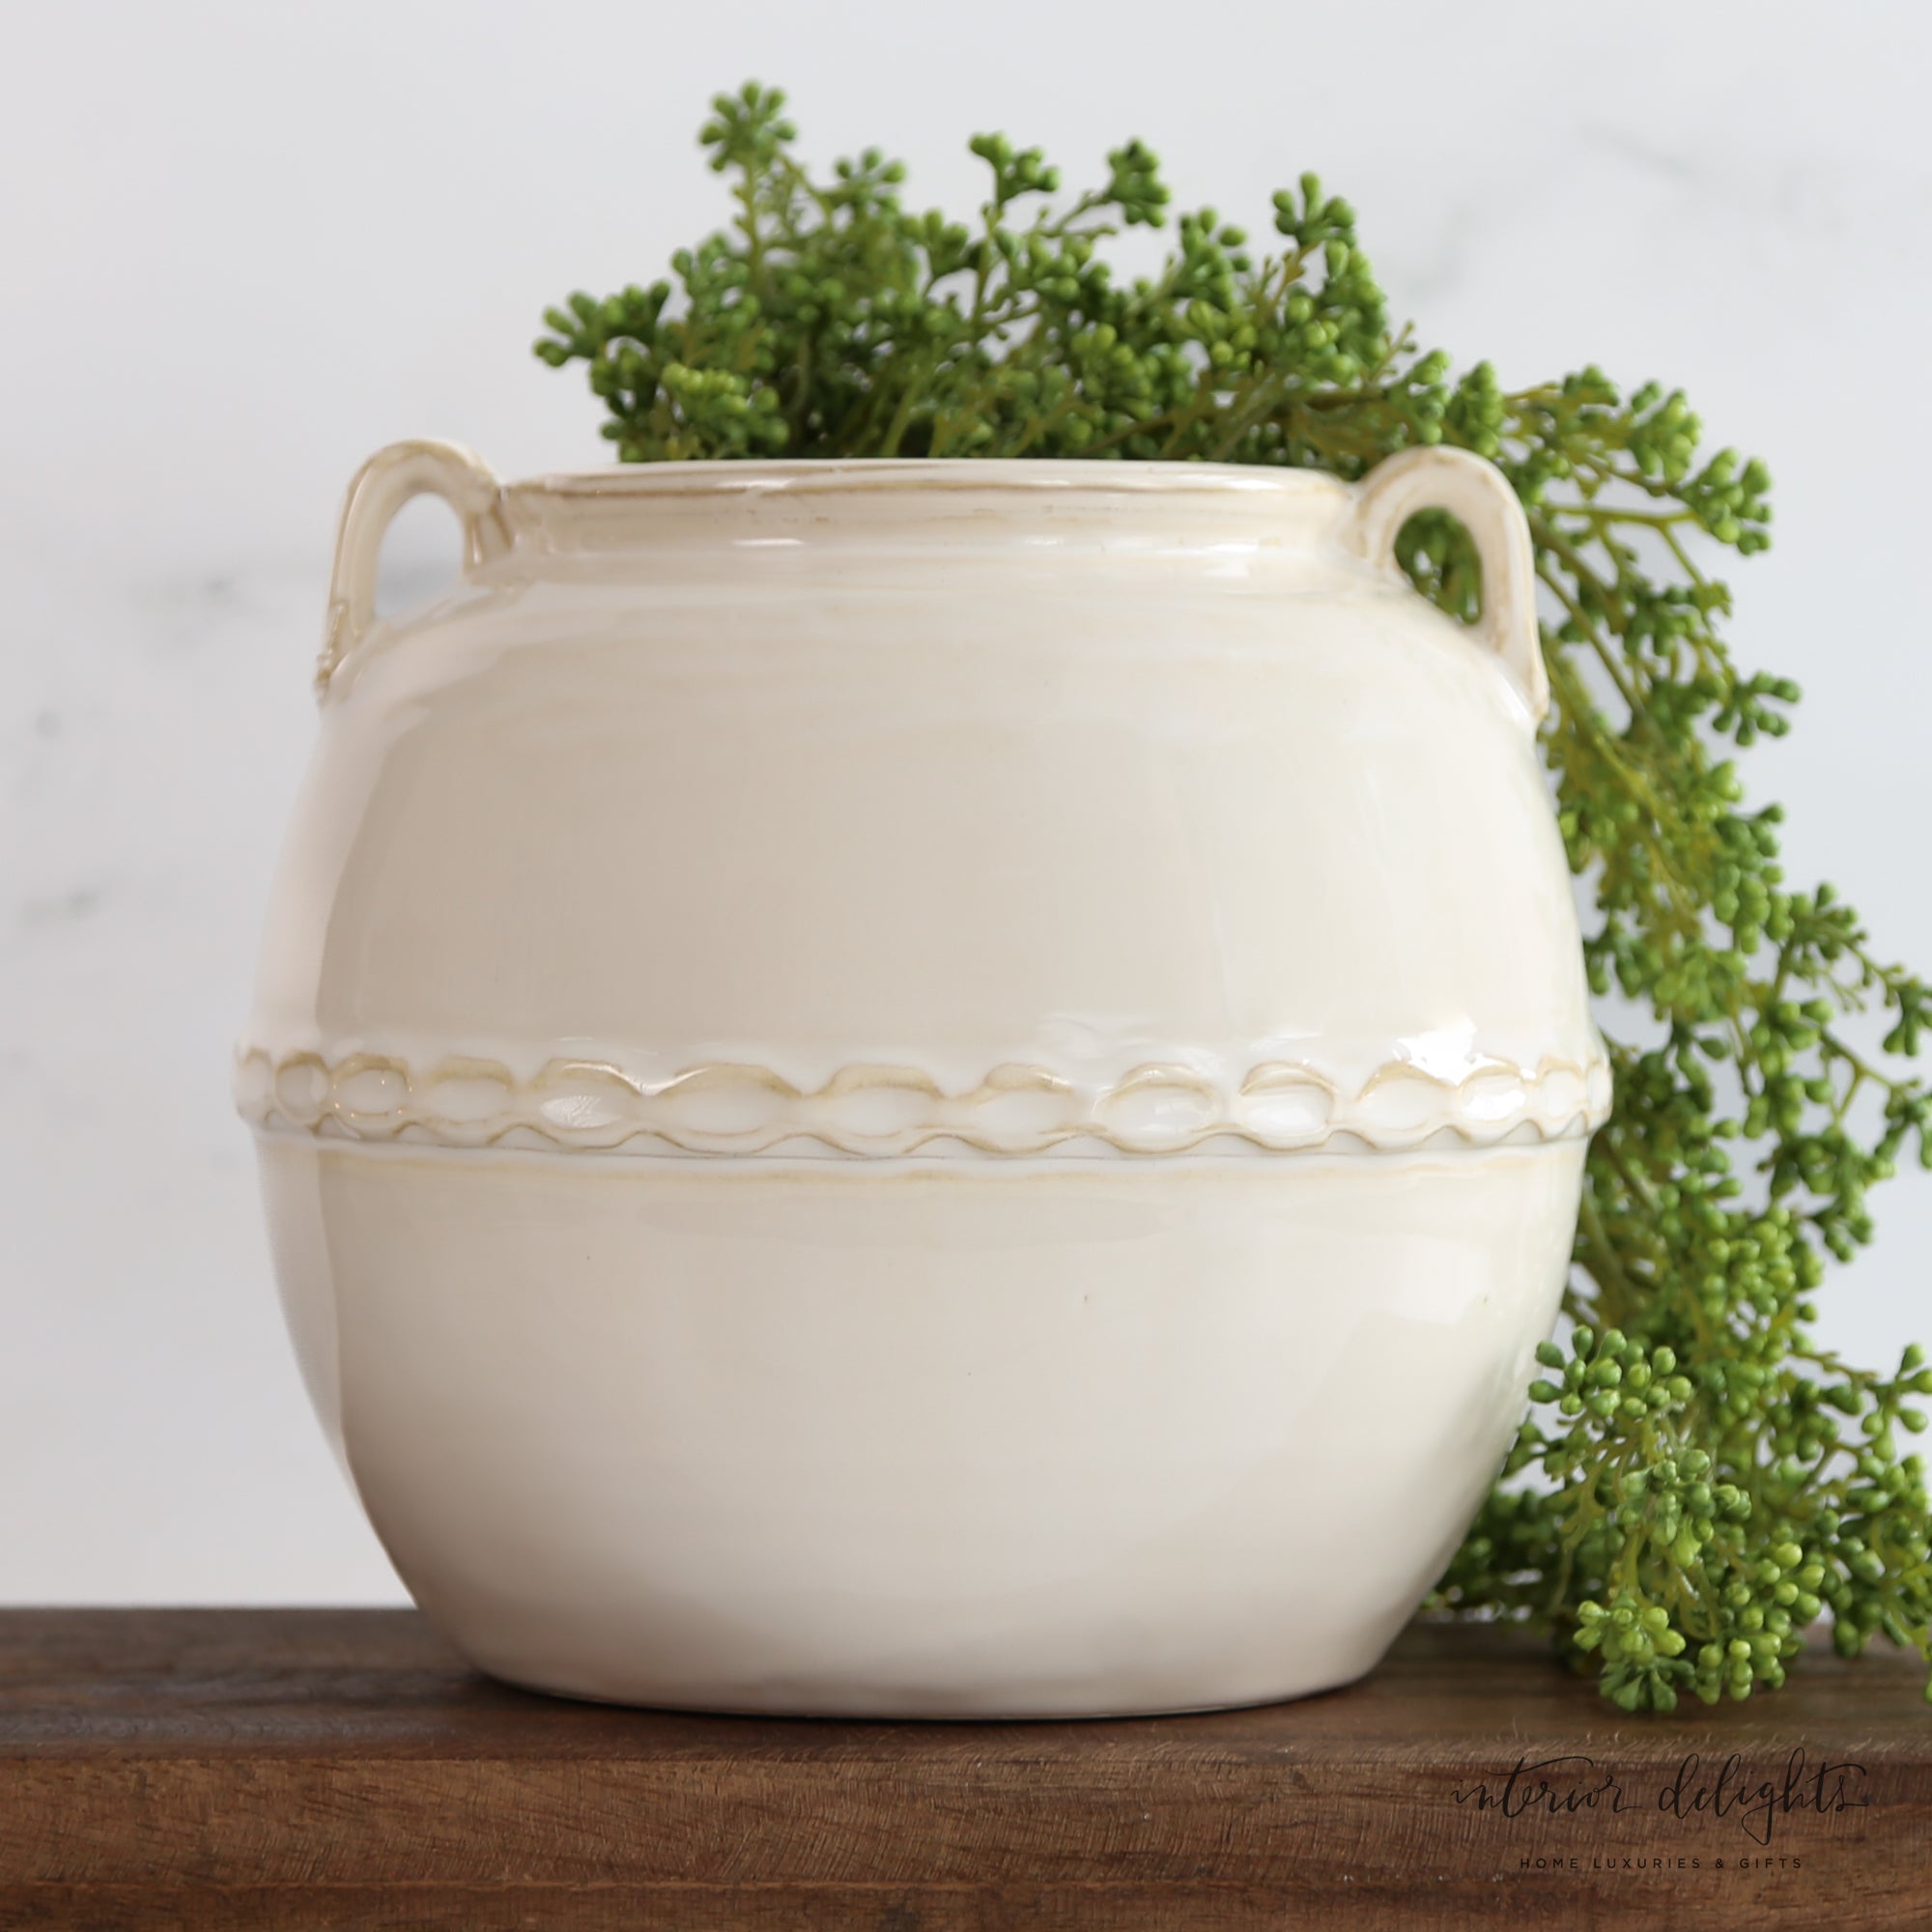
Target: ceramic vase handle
[388, 480]
[1479, 497]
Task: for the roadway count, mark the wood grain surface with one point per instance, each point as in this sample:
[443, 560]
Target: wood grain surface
[227, 1769]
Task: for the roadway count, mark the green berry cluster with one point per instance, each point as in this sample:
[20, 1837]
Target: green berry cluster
[1691, 1517]
[832, 320]
[1697, 1479]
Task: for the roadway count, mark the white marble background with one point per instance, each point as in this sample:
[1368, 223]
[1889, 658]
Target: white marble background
[241, 245]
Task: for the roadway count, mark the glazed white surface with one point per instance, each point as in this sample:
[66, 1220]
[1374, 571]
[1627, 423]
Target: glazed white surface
[1079, 770]
[904, 1439]
[335, 238]
[1021, 810]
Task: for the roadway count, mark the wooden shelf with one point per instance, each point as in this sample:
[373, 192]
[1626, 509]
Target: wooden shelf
[225, 1769]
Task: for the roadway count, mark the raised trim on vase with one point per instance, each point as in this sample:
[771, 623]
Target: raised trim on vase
[883, 1111]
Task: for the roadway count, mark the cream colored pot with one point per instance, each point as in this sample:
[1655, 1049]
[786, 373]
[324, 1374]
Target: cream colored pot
[924, 1088]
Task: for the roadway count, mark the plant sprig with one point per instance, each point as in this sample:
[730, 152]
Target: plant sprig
[1697, 1479]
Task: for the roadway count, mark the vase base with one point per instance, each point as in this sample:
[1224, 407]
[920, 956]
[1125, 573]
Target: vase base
[956, 1707]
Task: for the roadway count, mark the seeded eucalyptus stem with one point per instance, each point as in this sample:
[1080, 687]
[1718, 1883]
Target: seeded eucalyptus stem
[1697, 1480]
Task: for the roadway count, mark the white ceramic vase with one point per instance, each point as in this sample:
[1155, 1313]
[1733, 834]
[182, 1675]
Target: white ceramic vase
[923, 1088]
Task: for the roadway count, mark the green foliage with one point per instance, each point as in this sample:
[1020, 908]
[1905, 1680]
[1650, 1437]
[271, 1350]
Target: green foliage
[1696, 1480]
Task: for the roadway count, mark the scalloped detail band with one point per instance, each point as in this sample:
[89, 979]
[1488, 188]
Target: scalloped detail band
[880, 1112]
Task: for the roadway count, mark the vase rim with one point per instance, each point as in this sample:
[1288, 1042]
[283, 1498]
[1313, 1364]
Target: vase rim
[880, 475]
